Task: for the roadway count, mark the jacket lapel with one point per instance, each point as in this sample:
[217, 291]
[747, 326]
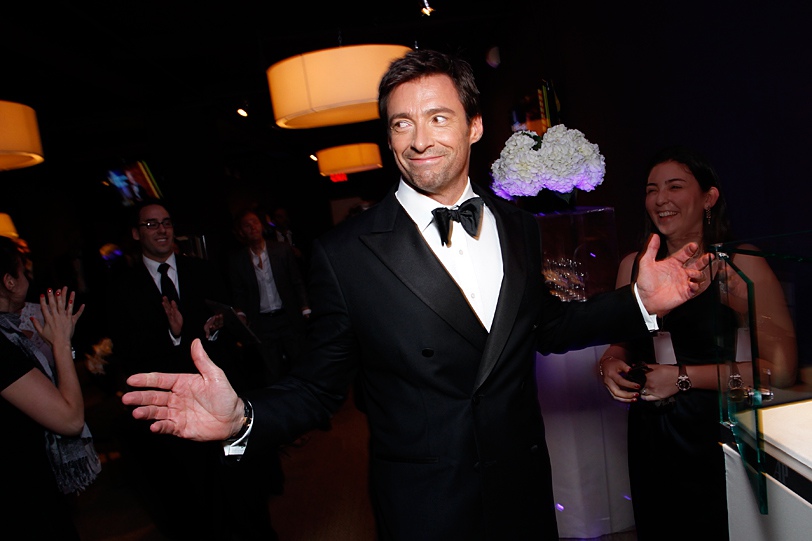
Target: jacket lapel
[513, 240]
[250, 277]
[398, 244]
[147, 289]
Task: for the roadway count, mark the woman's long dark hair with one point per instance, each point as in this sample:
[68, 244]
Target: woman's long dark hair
[719, 229]
[11, 257]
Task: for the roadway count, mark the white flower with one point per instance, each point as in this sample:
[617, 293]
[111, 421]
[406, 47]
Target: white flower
[561, 161]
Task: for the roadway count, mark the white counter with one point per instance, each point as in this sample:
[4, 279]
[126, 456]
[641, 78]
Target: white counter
[787, 434]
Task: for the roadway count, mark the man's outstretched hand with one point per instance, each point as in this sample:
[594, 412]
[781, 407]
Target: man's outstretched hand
[200, 407]
[664, 285]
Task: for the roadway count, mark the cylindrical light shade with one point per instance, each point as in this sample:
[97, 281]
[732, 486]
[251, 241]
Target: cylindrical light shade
[20, 145]
[349, 159]
[7, 228]
[331, 86]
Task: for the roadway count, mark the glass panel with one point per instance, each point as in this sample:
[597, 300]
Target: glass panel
[765, 289]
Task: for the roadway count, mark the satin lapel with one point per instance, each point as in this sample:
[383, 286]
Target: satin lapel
[513, 239]
[398, 244]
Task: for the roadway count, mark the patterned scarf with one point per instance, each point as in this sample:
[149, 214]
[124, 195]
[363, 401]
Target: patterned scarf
[73, 458]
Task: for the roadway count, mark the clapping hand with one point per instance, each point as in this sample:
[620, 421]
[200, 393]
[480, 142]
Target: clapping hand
[173, 315]
[200, 407]
[213, 324]
[58, 316]
[664, 285]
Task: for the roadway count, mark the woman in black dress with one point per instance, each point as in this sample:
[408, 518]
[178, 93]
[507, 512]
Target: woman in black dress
[45, 453]
[676, 465]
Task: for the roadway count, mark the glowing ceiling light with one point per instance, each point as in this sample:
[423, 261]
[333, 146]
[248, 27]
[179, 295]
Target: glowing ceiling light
[331, 86]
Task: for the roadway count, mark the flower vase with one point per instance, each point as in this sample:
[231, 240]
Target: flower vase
[547, 202]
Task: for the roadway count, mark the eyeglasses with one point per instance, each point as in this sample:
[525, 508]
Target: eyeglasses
[153, 224]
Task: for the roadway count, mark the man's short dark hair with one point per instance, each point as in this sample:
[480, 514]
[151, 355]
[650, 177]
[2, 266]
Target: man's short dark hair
[425, 62]
[135, 216]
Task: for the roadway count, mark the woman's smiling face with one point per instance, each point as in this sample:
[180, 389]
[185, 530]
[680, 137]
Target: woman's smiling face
[675, 201]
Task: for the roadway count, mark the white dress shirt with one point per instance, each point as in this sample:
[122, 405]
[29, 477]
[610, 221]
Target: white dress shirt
[475, 263]
[172, 272]
[269, 299]
[152, 267]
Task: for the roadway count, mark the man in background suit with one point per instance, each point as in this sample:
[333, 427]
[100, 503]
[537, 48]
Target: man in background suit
[440, 334]
[152, 323]
[268, 288]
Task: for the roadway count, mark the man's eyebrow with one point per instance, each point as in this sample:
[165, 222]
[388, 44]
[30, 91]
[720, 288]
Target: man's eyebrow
[427, 112]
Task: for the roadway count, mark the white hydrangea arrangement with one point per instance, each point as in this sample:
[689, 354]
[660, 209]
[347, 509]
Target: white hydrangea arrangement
[561, 161]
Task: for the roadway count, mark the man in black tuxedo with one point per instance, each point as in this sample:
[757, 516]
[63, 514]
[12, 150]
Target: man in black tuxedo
[155, 310]
[440, 334]
[267, 286]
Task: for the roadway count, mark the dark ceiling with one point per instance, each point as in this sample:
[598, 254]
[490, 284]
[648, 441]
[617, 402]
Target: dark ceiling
[122, 80]
[99, 73]
[118, 81]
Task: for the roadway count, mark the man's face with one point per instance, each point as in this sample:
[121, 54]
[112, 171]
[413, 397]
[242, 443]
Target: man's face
[430, 136]
[251, 228]
[157, 243]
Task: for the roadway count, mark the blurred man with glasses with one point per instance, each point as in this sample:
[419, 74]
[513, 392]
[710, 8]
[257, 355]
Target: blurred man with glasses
[155, 310]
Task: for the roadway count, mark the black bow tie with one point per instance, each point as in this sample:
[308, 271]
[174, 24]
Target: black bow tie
[468, 215]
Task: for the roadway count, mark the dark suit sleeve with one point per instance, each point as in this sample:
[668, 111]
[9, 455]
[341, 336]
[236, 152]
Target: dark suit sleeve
[137, 325]
[604, 318]
[236, 281]
[295, 276]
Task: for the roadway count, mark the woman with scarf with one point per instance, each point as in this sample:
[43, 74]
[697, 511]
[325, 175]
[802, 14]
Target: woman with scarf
[47, 450]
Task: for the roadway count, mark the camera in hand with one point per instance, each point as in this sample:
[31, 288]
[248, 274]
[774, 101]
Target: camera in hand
[637, 374]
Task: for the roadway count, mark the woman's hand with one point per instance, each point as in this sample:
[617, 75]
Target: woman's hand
[614, 370]
[57, 313]
[660, 382]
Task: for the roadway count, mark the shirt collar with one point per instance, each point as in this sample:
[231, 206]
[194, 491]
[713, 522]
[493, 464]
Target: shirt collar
[152, 265]
[419, 206]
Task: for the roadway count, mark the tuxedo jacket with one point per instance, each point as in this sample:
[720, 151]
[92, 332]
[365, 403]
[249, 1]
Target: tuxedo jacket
[286, 276]
[137, 322]
[457, 447]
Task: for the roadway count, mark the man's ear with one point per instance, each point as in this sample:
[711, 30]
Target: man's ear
[8, 281]
[476, 129]
[136, 234]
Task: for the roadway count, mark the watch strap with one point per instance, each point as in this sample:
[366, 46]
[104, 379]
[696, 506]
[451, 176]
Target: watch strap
[248, 417]
[683, 381]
